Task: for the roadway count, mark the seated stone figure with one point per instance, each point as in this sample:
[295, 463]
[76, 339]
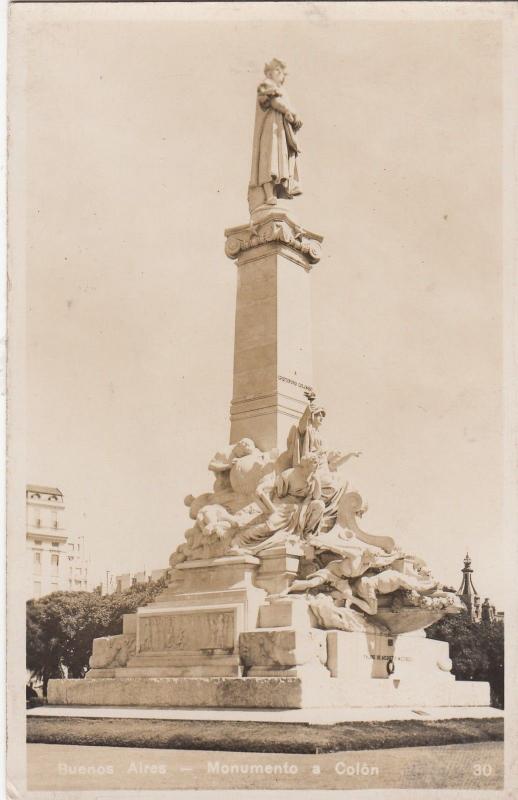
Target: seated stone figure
[305, 440]
[301, 484]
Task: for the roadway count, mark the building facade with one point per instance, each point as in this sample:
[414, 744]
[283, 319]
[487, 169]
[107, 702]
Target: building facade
[56, 561]
[127, 580]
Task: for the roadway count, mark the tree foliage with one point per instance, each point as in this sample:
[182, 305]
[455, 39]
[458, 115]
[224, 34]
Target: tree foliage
[476, 649]
[62, 626]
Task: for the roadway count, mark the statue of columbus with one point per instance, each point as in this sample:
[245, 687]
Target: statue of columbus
[275, 151]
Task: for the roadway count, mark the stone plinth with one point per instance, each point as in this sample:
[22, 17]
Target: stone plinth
[272, 344]
[214, 692]
[192, 629]
[410, 661]
[284, 652]
[285, 612]
[359, 657]
[113, 650]
[263, 692]
[279, 566]
[276, 667]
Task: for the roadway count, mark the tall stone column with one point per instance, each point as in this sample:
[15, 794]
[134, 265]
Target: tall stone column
[272, 343]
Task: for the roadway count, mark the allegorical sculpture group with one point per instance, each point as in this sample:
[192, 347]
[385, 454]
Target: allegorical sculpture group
[260, 500]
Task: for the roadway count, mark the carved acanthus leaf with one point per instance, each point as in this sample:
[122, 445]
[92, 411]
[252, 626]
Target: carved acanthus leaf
[274, 230]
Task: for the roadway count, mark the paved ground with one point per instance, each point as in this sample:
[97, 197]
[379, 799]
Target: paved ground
[316, 716]
[464, 766]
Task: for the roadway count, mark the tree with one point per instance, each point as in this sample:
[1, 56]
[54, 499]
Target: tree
[476, 649]
[62, 626]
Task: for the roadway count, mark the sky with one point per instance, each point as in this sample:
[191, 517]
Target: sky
[138, 136]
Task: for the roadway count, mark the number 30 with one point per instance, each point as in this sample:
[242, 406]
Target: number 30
[482, 769]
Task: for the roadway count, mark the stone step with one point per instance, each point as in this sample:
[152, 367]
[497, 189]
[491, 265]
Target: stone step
[214, 692]
[182, 659]
[262, 692]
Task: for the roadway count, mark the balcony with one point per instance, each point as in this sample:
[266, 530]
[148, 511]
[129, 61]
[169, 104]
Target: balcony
[46, 534]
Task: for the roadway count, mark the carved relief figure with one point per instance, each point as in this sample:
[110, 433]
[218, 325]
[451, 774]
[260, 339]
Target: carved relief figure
[275, 150]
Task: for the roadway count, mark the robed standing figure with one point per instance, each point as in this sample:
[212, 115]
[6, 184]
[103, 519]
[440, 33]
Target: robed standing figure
[274, 157]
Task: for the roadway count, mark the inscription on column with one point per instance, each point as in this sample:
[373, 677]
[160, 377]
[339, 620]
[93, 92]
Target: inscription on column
[207, 630]
[294, 383]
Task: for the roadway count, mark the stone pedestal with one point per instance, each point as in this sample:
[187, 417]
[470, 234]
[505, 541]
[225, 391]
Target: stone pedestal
[291, 668]
[285, 612]
[360, 658]
[192, 629]
[272, 345]
[214, 638]
[285, 652]
[279, 566]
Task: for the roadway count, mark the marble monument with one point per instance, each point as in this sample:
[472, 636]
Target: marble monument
[278, 597]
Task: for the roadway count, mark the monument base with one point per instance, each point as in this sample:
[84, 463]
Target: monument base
[215, 639]
[262, 692]
[285, 668]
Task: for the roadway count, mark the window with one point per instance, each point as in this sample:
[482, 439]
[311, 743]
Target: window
[36, 589]
[54, 586]
[54, 564]
[38, 544]
[37, 562]
[55, 544]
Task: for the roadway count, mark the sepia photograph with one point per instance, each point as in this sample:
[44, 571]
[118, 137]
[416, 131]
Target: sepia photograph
[261, 431]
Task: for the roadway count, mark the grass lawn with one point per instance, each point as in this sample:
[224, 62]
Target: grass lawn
[261, 737]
